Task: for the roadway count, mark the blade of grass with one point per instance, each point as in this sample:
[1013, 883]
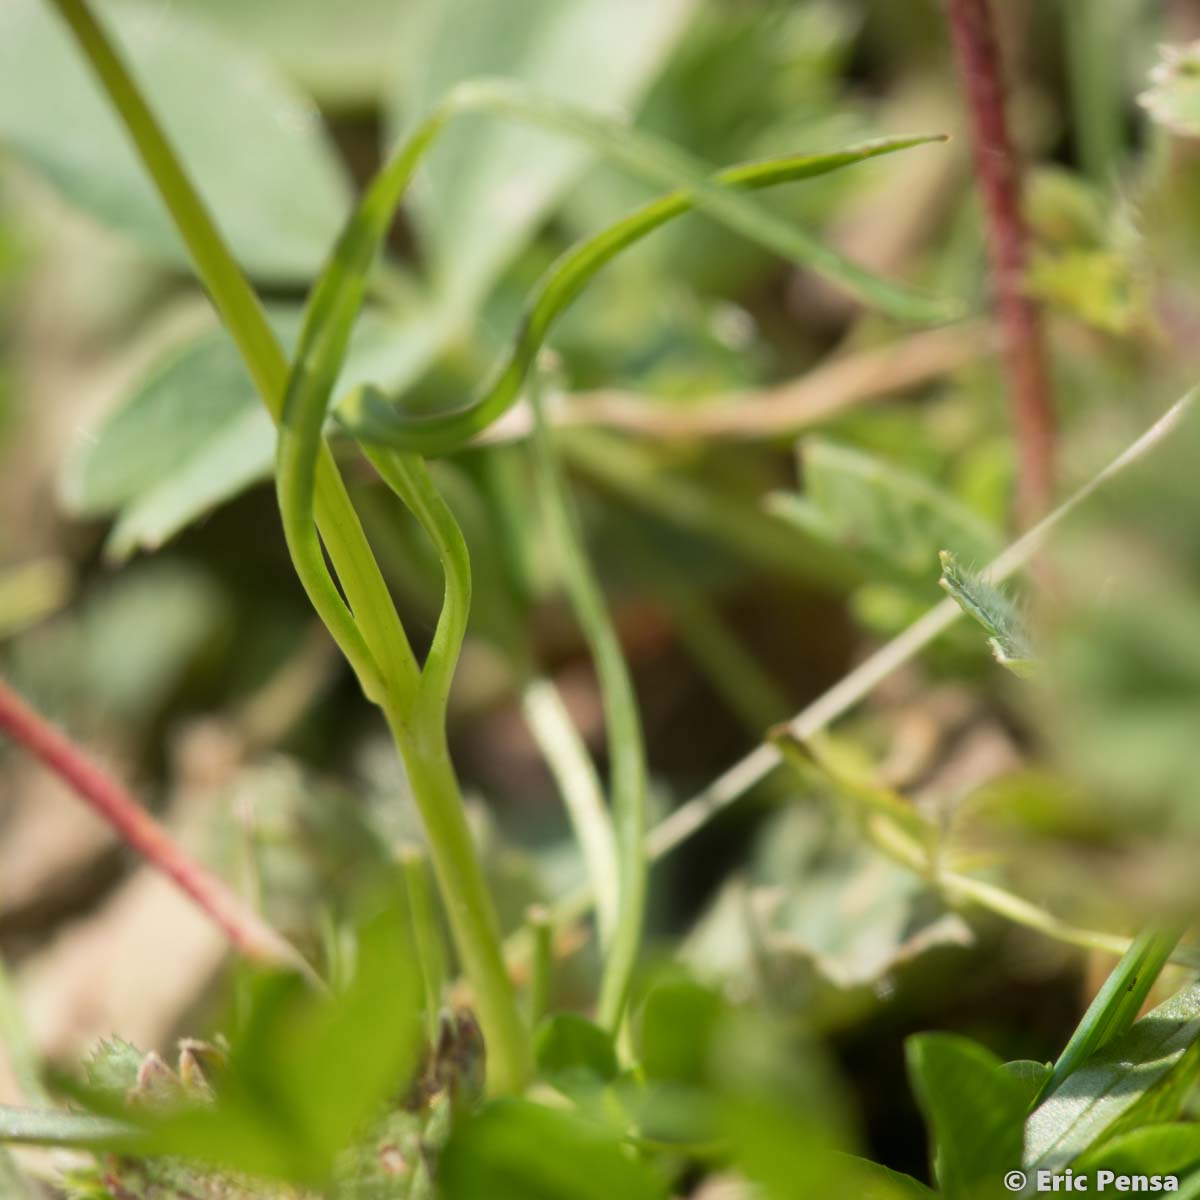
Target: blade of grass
[367, 413]
[1117, 1003]
[627, 754]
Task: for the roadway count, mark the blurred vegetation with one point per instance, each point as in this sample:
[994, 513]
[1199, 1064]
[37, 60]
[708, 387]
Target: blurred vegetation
[766, 473]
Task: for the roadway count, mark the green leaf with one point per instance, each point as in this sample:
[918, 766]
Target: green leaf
[307, 1072]
[518, 1150]
[867, 1180]
[252, 143]
[1173, 98]
[192, 433]
[371, 417]
[113, 1067]
[1031, 1075]
[130, 644]
[49, 1127]
[1118, 1002]
[895, 521]
[1151, 1150]
[488, 187]
[991, 609]
[786, 1153]
[975, 1111]
[1111, 1083]
[344, 62]
[678, 1022]
[570, 1048]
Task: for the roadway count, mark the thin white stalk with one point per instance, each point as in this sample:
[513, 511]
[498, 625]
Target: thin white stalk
[582, 794]
[872, 671]
[738, 779]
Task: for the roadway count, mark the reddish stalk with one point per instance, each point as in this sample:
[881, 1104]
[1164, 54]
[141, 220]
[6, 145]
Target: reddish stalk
[998, 175]
[246, 930]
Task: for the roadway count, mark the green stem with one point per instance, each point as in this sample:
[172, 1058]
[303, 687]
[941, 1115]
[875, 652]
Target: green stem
[469, 904]
[418, 722]
[242, 313]
[627, 754]
[369, 630]
[1093, 33]
[427, 934]
[541, 965]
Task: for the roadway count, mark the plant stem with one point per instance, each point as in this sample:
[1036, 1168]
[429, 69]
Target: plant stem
[1092, 33]
[627, 753]
[540, 924]
[241, 311]
[244, 928]
[426, 932]
[752, 769]
[998, 177]
[468, 902]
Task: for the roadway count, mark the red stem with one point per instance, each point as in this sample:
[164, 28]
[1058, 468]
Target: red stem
[998, 176]
[244, 928]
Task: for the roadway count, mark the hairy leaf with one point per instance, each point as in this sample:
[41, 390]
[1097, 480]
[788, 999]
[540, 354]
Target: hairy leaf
[993, 610]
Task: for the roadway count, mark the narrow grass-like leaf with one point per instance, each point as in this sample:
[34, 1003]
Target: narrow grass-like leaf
[1118, 1002]
[50, 1127]
[993, 610]
[368, 414]
[626, 746]
[1090, 1101]
[242, 312]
